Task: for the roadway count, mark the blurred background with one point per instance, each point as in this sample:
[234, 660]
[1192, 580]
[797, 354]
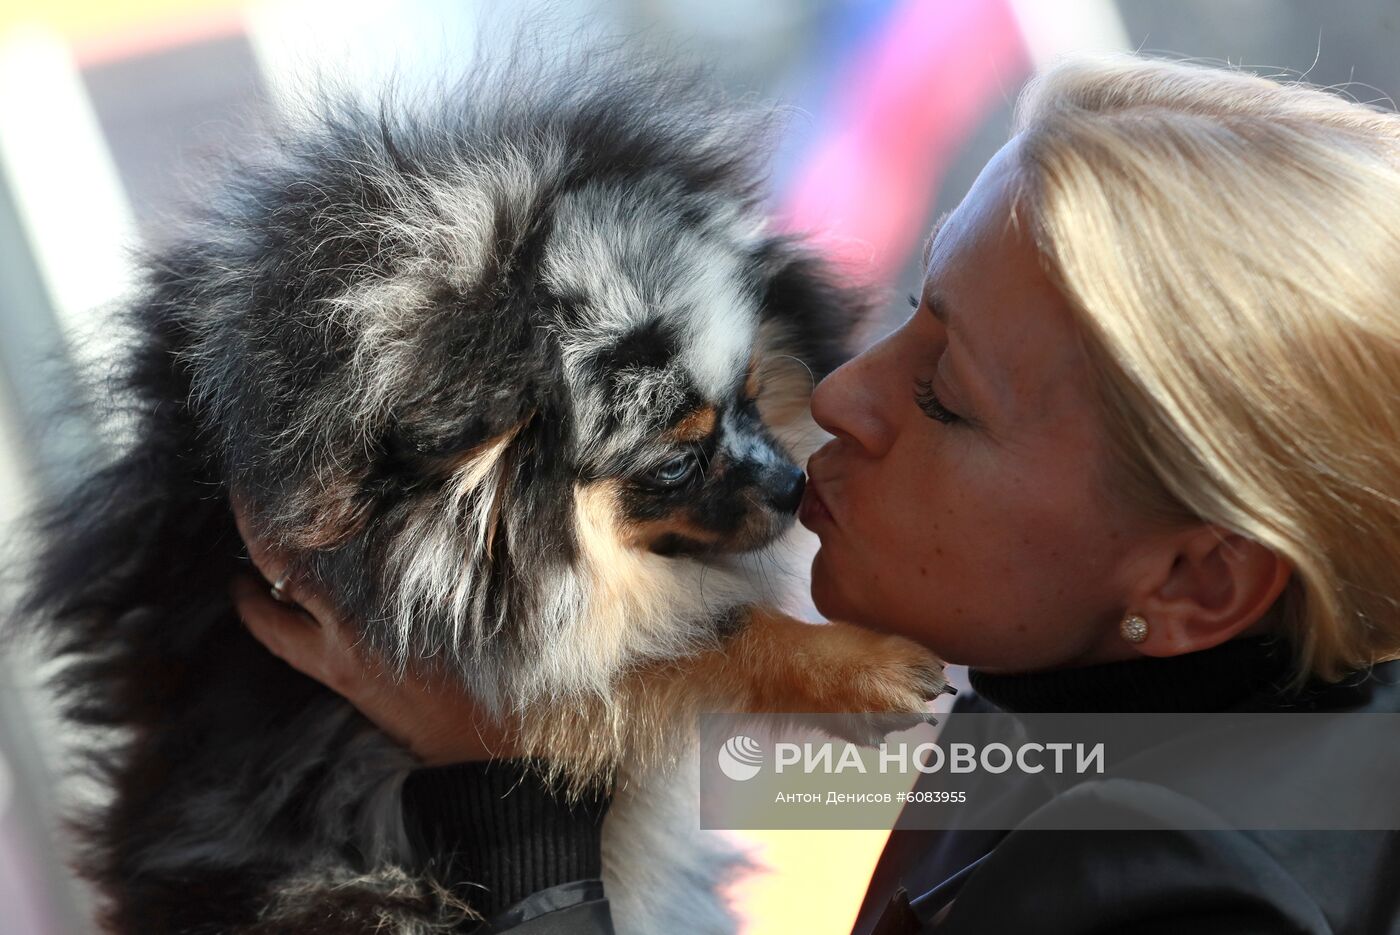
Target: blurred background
[105, 105]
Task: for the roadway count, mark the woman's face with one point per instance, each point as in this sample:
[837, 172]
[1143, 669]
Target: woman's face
[962, 501]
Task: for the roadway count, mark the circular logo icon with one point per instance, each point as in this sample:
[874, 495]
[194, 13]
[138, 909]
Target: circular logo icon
[740, 758]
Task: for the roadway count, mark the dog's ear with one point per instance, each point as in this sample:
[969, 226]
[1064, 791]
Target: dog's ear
[474, 376]
[807, 325]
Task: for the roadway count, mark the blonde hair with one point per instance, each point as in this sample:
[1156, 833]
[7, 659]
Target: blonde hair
[1231, 246]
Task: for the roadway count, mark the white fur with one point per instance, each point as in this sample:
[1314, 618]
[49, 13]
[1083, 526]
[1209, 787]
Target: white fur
[661, 872]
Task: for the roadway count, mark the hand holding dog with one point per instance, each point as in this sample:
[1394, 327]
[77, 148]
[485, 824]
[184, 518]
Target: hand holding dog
[426, 712]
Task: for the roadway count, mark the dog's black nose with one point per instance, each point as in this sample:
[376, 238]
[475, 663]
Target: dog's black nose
[787, 492]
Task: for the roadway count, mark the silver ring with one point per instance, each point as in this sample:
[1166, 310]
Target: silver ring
[279, 590]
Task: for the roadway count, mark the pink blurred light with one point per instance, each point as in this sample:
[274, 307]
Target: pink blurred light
[911, 98]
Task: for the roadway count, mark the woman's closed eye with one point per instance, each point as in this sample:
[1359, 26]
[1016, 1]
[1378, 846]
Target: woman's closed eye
[928, 401]
[924, 396]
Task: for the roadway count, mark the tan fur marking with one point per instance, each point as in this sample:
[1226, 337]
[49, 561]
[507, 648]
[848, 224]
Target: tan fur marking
[754, 384]
[785, 384]
[602, 503]
[643, 535]
[787, 392]
[476, 463]
[629, 589]
[482, 465]
[699, 425]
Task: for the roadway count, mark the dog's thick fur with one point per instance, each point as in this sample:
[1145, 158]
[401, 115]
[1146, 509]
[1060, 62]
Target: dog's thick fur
[522, 380]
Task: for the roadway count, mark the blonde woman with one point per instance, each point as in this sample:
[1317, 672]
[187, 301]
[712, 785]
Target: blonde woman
[1136, 449]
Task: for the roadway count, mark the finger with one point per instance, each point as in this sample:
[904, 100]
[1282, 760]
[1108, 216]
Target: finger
[299, 592]
[275, 565]
[286, 632]
[327, 653]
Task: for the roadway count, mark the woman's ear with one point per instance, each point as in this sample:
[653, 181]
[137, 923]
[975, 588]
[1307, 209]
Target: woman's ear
[1206, 585]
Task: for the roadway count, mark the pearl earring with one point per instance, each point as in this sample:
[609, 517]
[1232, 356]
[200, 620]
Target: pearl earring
[1133, 628]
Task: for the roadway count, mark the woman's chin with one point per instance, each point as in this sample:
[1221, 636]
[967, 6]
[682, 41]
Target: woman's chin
[833, 602]
[826, 596]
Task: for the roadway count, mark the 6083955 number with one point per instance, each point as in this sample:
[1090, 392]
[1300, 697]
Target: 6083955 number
[939, 795]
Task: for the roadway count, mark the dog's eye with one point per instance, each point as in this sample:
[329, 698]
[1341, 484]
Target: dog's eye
[674, 472]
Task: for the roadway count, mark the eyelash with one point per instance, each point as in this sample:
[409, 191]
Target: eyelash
[927, 400]
[925, 397]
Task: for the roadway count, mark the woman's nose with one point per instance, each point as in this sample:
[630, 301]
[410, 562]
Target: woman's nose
[851, 403]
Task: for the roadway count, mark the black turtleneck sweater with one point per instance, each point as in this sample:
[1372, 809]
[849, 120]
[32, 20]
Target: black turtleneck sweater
[1235, 674]
[523, 856]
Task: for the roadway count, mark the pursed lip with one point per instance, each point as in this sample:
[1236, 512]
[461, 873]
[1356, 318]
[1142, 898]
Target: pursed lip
[813, 512]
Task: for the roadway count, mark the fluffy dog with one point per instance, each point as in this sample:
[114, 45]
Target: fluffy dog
[522, 379]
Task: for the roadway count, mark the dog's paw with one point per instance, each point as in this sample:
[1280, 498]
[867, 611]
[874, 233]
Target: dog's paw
[893, 675]
[869, 685]
[862, 684]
